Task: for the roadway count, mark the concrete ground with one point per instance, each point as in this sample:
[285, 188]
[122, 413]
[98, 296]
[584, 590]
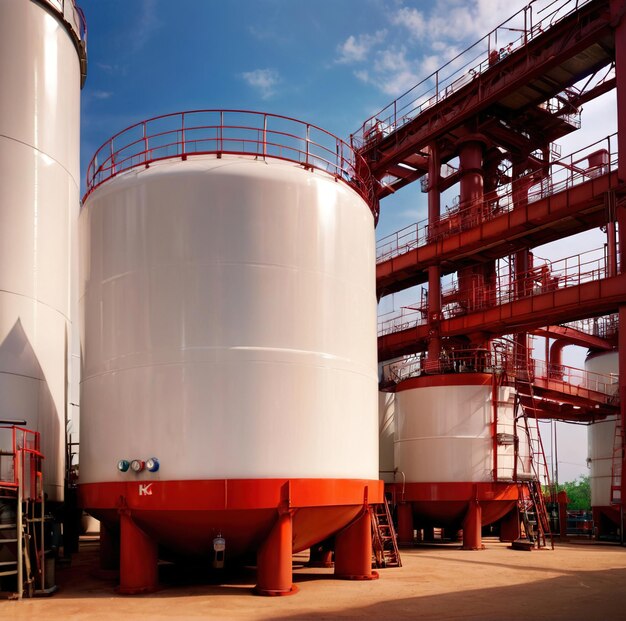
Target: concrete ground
[577, 581]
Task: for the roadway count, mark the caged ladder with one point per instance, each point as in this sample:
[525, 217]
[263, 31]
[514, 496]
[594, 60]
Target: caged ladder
[532, 506]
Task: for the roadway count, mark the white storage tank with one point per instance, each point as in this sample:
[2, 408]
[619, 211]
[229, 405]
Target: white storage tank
[601, 439]
[42, 64]
[456, 452]
[229, 308]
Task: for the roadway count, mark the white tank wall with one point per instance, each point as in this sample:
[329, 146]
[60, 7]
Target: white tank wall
[230, 323]
[444, 434]
[39, 198]
[386, 424]
[601, 437]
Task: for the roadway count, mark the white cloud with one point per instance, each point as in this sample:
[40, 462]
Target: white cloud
[102, 94]
[356, 49]
[264, 80]
[147, 25]
[391, 72]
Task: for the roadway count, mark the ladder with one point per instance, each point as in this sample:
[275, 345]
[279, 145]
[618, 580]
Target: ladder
[22, 517]
[385, 551]
[532, 505]
[616, 465]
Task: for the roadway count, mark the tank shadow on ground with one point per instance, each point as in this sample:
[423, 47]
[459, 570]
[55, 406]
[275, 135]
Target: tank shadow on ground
[580, 596]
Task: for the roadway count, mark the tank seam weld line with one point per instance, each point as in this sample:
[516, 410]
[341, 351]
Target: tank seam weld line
[39, 379]
[26, 144]
[185, 362]
[28, 297]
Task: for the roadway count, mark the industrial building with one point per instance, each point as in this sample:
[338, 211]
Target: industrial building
[209, 430]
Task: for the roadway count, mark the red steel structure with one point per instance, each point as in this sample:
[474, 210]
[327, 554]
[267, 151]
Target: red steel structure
[487, 122]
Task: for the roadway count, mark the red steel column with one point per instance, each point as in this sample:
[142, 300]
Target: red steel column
[621, 348]
[274, 568]
[509, 526]
[353, 550]
[138, 558]
[472, 524]
[405, 523]
[618, 19]
[471, 279]
[434, 271]
[109, 549]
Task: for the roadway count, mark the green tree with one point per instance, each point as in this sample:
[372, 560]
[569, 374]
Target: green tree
[578, 493]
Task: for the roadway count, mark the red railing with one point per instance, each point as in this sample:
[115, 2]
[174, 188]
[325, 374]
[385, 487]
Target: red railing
[512, 34]
[605, 327]
[20, 460]
[596, 159]
[545, 276]
[502, 361]
[237, 132]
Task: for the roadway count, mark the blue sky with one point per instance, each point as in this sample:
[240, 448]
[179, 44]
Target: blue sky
[333, 63]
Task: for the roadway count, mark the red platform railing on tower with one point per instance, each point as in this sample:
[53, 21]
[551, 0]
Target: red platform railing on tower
[512, 34]
[580, 166]
[235, 132]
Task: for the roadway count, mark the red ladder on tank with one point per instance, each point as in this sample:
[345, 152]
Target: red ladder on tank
[385, 551]
[616, 465]
[533, 510]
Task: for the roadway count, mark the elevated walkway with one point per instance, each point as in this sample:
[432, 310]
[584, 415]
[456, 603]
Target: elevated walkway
[506, 78]
[570, 199]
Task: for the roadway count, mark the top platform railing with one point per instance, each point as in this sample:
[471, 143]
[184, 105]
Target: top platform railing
[598, 158]
[557, 377]
[512, 34]
[72, 14]
[236, 132]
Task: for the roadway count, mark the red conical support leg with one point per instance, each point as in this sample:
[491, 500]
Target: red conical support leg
[509, 526]
[138, 559]
[321, 555]
[405, 523]
[353, 550]
[109, 549]
[472, 539]
[274, 571]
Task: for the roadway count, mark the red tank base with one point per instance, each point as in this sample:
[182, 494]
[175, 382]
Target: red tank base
[275, 593]
[372, 576]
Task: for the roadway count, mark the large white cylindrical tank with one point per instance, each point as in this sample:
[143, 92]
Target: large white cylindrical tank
[229, 323]
[446, 434]
[386, 432]
[40, 81]
[601, 435]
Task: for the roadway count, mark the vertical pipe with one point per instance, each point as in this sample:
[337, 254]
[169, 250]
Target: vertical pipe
[20, 518]
[434, 271]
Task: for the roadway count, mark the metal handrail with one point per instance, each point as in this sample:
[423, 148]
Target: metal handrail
[557, 176]
[237, 132]
[501, 362]
[512, 34]
[544, 277]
